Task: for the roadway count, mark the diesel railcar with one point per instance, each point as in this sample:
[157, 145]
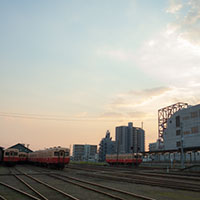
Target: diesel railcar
[11, 157]
[1, 154]
[56, 157]
[23, 157]
[124, 159]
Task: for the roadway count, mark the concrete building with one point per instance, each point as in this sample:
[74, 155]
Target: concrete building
[106, 146]
[140, 139]
[156, 146]
[129, 139]
[84, 152]
[183, 125]
[90, 152]
[78, 152]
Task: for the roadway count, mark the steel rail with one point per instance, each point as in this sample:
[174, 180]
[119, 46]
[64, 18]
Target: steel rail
[19, 191]
[141, 179]
[92, 189]
[171, 176]
[155, 179]
[2, 198]
[51, 187]
[159, 183]
[29, 186]
[105, 187]
[89, 188]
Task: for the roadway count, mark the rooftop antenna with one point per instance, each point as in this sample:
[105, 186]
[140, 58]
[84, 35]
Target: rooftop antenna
[142, 125]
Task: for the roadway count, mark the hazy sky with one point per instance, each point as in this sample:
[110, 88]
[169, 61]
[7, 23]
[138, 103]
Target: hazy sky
[71, 69]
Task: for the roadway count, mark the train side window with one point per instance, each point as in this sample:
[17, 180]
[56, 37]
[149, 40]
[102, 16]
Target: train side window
[15, 153]
[7, 153]
[56, 154]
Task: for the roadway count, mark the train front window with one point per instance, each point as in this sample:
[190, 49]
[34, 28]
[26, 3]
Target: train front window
[15, 153]
[56, 154]
[66, 153]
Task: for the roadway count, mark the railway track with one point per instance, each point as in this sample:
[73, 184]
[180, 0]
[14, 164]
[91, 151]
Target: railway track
[98, 188]
[2, 198]
[167, 181]
[185, 177]
[76, 179]
[18, 191]
[132, 170]
[48, 186]
[37, 195]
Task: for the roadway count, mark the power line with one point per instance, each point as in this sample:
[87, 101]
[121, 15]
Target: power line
[46, 117]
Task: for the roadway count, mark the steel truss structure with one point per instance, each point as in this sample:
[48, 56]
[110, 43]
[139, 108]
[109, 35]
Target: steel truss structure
[165, 113]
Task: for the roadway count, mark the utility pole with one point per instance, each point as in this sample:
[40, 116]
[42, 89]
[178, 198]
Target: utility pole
[117, 151]
[182, 150]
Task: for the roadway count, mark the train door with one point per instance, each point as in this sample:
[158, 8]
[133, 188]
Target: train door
[61, 156]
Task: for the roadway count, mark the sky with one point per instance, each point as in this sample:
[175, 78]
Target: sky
[70, 69]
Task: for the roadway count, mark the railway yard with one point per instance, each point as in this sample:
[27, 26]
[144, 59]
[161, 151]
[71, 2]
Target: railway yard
[96, 182]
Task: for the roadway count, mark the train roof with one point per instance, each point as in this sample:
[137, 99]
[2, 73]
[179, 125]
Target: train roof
[52, 149]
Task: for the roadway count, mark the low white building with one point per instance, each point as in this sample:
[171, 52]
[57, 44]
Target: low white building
[156, 146]
[85, 152]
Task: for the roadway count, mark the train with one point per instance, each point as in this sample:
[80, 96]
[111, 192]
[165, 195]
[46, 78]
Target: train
[124, 159]
[23, 157]
[11, 157]
[56, 157]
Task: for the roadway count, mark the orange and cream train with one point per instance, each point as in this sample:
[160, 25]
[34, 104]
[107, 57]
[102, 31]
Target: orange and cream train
[23, 157]
[11, 157]
[124, 159]
[56, 157]
[53, 157]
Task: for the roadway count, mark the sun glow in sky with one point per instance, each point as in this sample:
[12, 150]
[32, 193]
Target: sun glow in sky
[72, 69]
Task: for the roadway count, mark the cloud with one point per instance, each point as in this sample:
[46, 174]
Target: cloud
[137, 114]
[188, 20]
[170, 58]
[174, 6]
[124, 115]
[111, 115]
[115, 54]
[137, 97]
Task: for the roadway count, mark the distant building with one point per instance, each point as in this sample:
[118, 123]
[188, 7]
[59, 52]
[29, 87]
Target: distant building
[21, 148]
[106, 146]
[184, 124]
[84, 152]
[90, 152]
[129, 139]
[140, 139]
[78, 152]
[156, 146]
